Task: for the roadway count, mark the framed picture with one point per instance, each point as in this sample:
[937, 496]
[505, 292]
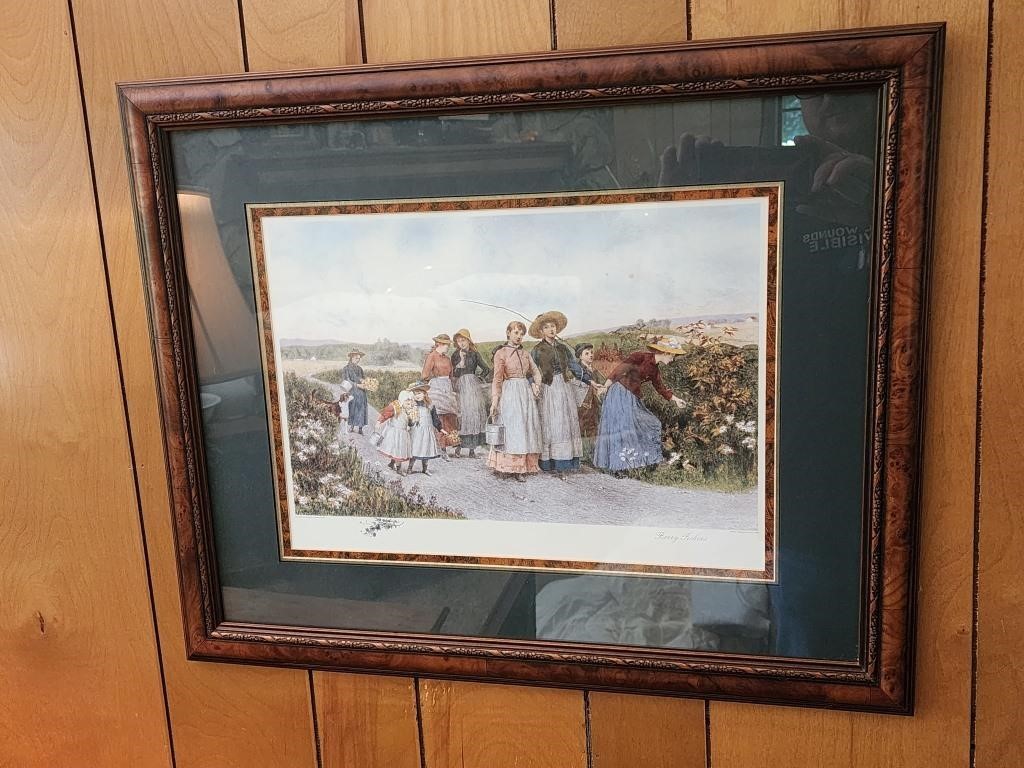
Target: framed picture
[596, 368]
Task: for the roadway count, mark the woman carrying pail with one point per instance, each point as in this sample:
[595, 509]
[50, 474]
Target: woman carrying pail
[514, 392]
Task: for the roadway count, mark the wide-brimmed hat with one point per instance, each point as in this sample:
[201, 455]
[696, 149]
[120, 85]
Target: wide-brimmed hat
[464, 333]
[421, 385]
[355, 352]
[551, 316]
[672, 345]
[581, 348]
[442, 338]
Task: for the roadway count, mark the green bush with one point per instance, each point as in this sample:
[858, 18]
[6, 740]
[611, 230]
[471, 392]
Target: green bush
[329, 479]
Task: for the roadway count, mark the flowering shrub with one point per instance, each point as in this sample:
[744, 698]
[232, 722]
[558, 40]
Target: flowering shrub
[714, 437]
[332, 479]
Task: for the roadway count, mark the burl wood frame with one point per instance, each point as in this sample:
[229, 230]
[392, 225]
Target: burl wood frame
[904, 62]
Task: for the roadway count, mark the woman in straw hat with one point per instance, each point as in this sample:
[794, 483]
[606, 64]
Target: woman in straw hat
[514, 392]
[437, 369]
[466, 361]
[629, 436]
[559, 417]
[358, 407]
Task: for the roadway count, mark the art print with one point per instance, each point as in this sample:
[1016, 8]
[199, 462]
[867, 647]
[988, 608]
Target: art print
[572, 382]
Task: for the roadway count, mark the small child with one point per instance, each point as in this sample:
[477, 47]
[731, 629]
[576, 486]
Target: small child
[342, 406]
[424, 432]
[393, 431]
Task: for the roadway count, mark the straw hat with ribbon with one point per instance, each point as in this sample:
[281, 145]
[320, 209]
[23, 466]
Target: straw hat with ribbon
[422, 386]
[442, 338]
[672, 345]
[551, 316]
[355, 352]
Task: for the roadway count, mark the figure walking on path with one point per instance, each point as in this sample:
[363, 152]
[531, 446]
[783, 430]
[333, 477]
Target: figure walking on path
[629, 435]
[358, 416]
[514, 392]
[466, 361]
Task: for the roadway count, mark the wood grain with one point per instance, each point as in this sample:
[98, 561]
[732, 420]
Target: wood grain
[594, 23]
[644, 730]
[938, 734]
[287, 35]
[80, 677]
[473, 725]
[367, 721]
[1001, 546]
[220, 714]
[404, 30]
[452, 712]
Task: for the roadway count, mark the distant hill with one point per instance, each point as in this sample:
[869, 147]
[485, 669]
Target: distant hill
[673, 322]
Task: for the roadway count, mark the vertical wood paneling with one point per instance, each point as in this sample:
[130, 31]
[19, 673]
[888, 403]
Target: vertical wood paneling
[1000, 671]
[222, 715]
[635, 730]
[403, 30]
[593, 23]
[744, 735]
[367, 721]
[364, 721]
[653, 732]
[79, 676]
[469, 725]
[314, 33]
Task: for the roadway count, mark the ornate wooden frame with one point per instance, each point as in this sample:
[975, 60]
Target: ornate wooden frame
[905, 62]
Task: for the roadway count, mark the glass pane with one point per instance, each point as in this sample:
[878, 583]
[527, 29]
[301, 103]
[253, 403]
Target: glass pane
[823, 319]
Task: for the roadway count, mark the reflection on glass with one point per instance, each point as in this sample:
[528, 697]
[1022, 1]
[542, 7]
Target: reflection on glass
[830, 177]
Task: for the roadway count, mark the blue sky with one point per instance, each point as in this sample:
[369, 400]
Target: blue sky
[359, 277]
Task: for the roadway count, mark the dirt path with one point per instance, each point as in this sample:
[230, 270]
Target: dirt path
[467, 486]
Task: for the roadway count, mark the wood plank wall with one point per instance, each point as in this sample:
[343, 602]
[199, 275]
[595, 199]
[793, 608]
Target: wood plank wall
[93, 670]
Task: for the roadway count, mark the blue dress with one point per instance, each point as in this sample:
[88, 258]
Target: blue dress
[629, 435]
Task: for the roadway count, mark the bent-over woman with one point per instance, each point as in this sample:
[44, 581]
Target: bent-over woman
[629, 435]
[514, 392]
[466, 362]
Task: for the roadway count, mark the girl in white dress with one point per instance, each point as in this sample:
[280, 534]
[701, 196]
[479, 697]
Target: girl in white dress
[424, 432]
[393, 426]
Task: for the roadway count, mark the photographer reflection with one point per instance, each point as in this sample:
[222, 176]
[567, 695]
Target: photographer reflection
[828, 196]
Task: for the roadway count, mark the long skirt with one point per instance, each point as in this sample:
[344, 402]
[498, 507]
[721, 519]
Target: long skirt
[396, 443]
[629, 436]
[358, 415]
[473, 407]
[446, 402]
[523, 437]
[424, 438]
[560, 424]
